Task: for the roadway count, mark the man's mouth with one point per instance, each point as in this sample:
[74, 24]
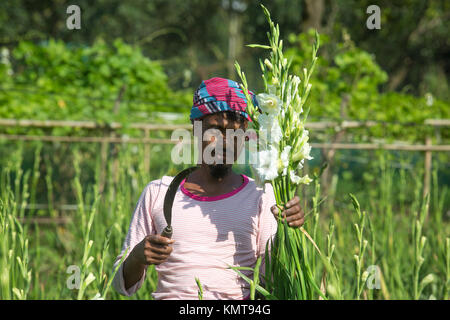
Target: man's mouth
[222, 156]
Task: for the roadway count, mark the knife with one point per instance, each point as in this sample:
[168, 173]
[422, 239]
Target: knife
[170, 196]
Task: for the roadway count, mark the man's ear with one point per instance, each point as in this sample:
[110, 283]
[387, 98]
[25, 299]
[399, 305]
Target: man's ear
[245, 129]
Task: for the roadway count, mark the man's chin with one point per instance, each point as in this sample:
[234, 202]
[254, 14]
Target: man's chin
[219, 171]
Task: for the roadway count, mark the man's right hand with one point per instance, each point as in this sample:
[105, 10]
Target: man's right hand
[153, 249]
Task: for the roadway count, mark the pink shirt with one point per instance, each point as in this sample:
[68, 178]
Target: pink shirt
[210, 233]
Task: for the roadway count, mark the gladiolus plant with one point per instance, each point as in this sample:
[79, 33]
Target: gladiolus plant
[279, 120]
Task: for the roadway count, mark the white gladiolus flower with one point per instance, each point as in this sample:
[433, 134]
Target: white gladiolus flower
[283, 149]
[89, 279]
[269, 103]
[284, 157]
[305, 135]
[98, 296]
[266, 166]
[266, 121]
[276, 134]
[270, 130]
[303, 153]
[305, 149]
[305, 180]
[295, 179]
[300, 164]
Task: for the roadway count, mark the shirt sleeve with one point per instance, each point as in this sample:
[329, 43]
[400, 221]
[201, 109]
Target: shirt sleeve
[141, 225]
[267, 224]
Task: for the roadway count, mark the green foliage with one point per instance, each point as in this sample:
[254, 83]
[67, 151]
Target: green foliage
[192, 37]
[392, 200]
[103, 82]
[346, 86]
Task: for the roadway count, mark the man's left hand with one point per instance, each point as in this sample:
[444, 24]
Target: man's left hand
[293, 213]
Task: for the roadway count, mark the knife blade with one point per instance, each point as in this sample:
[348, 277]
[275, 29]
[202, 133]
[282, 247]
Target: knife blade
[170, 196]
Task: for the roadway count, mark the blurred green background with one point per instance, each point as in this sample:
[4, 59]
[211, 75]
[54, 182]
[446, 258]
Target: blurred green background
[140, 61]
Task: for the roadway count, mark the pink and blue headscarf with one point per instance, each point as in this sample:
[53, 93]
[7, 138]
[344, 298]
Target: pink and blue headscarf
[218, 95]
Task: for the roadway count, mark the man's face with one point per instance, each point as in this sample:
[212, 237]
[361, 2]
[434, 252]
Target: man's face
[221, 122]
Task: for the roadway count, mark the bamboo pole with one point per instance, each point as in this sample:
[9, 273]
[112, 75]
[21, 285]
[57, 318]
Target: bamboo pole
[103, 159]
[88, 124]
[147, 152]
[374, 146]
[349, 146]
[85, 139]
[44, 220]
[318, 125]
[427, 175]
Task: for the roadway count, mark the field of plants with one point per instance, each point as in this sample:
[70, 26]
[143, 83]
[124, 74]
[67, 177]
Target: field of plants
[377, 222]
[385, 241]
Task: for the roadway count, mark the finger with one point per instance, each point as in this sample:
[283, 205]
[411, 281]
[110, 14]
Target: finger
[292, 210]
[158, 239]
[297, 223]
[150, 255]
[294, 217]
[160, 257]
[293, 202]
[294, 221]
[161, 250]
[274, 209]
[156, 260]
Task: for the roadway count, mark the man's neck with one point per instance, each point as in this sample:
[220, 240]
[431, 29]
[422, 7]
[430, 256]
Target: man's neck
[201, 182]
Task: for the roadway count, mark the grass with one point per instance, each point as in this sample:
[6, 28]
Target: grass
[385, 241]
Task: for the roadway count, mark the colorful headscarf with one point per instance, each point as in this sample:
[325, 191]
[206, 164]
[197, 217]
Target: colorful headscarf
[217, 95]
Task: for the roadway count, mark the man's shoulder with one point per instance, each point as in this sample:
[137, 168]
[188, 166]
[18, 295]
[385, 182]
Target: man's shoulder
[153, 187]
[164, 181]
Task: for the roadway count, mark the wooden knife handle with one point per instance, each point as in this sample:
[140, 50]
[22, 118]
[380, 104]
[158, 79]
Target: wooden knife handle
[167, 232]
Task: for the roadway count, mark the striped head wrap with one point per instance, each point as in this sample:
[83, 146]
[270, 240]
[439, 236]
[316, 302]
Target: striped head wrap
[217, 95]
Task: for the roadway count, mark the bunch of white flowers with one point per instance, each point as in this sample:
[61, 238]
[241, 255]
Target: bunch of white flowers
[271, 161]
[279, 121]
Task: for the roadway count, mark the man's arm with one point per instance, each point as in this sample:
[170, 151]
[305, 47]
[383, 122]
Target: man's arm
[153, 249]
[267, 225]
[133, 271]
[140, 226]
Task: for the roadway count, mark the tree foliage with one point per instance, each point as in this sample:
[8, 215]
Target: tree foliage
[100, 82]
[347, 86]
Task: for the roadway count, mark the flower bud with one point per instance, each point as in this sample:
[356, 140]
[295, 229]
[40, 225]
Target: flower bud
[427, 280]
[268, 64]
[275, 80]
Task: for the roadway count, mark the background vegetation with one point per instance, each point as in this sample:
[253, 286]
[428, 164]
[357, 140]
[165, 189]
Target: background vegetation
[140, 61]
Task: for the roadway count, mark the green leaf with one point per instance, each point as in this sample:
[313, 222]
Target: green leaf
[259, 46]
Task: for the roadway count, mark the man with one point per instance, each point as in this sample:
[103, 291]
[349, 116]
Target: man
[219, 218]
